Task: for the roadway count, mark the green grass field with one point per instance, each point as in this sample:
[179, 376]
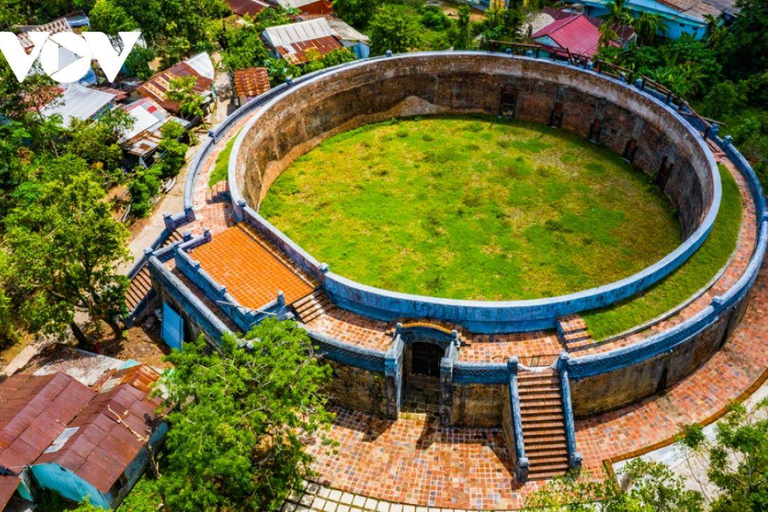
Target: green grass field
[685, 281]
[221, 167]
[471, 208]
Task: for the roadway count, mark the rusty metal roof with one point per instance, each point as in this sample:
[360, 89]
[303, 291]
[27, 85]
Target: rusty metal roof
[111, 430]
[157, 86]
[8, 485]
[94, 433]
[33, 412]
[251, 82]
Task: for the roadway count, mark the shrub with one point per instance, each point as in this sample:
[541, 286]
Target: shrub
[142, 189]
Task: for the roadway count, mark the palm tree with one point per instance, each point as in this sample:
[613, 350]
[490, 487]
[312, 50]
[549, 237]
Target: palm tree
[617, 14]
[648, 26]
[716, 31]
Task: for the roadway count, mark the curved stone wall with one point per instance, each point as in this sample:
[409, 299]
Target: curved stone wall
[613, 113]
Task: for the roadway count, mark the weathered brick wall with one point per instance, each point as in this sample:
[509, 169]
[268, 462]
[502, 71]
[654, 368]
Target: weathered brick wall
[432, 84]
[607, 391]
[478, 405]
[358, 389]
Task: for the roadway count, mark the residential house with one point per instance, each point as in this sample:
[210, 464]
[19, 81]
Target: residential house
[680, 16]
[250, 83]
[247, 7]
[141, 141]
[78, 102]
[293, 42]
[351, 39]
[576, 33]
[323, 7]
[80, 442]
[57, 26]
[199, 66]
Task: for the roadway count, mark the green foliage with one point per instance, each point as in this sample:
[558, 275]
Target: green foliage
[434, 18]
[182, 91]
[139, 62]
[244, 47]
[144, 497]
[502, 25]
[143, 187]
[648, 27]
[394, 30]
[651, 487]
[110, 18]
[357, 13]
[237, 442]
[221, 168]
[98, 142]
[686, 280]
[463, 39]
[721, 99]
[63, 248]
[426, 184]
[173, 151]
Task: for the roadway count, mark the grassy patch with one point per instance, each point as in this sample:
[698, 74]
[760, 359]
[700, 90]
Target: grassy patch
[221, 169]
[472, 208]
[685, 281]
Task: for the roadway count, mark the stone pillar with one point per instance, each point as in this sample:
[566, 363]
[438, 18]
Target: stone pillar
[393, 374]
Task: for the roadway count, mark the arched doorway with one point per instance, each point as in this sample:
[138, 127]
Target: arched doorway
[422, 378]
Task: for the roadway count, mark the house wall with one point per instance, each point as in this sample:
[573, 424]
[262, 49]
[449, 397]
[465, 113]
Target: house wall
[66, 483]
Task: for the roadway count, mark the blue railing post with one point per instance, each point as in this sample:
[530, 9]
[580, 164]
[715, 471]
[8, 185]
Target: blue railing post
[522, 465]
[393, 374]
[446, 378]
[574, 457]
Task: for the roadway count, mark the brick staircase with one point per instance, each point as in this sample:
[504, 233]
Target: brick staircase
[141, 282]
[219, 193]
[544, 438]
[573, 332]
[312, 306]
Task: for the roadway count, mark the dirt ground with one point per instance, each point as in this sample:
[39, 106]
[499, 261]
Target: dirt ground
[141, 343]
[452, 10]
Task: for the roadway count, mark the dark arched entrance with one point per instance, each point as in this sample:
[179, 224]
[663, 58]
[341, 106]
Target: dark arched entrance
[422, 378]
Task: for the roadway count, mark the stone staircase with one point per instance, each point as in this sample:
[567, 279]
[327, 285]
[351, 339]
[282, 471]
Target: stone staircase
[543, 418]
[573, 332]
[312, 306]
[219, 193]
[141, 282]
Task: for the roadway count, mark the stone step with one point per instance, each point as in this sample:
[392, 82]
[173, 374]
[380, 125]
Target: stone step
[532, 396]
[532, 418]
[549, 441]
[530, 426]
[543, 452]
[541, 404]
[547, 472]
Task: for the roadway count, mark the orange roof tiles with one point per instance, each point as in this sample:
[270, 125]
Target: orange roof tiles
[251, 272]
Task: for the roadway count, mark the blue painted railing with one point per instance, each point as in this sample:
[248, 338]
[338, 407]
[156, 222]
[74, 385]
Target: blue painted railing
[574, 457]
[522, 464]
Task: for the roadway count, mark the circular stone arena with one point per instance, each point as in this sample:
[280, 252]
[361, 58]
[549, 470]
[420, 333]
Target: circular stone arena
[454, 389]
[478, 207]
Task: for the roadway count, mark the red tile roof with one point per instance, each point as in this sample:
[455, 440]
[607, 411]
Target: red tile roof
[574, 33]
[296, 53]
[157, 86]
[251, 82]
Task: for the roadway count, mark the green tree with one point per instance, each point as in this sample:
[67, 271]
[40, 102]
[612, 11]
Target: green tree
[243, 46]
[172, 149]
[110, 18]
[63, 248]
[336, 57]
[357, 13]
[98, 142]
[648, 26]
[182, 91]
[650, 487]
[738, 459]
[463, 39]
[143, 188]
[139, 62]
[391, 29]
[237, 442]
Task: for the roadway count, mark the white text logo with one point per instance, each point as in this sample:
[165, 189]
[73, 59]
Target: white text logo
[86, 47]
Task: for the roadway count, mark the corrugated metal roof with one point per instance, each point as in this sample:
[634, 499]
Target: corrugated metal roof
[157, 86]
[8, 486]
[251, 82]
[78, 102]
[55, 27]
[346, 32]
[309, 6]
[285, 35]
[249, 7]
[33, 412]
[202, 64]
[296, 53]
[576, 34]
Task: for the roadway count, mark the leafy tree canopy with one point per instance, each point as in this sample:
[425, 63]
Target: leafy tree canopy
[247, 410]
